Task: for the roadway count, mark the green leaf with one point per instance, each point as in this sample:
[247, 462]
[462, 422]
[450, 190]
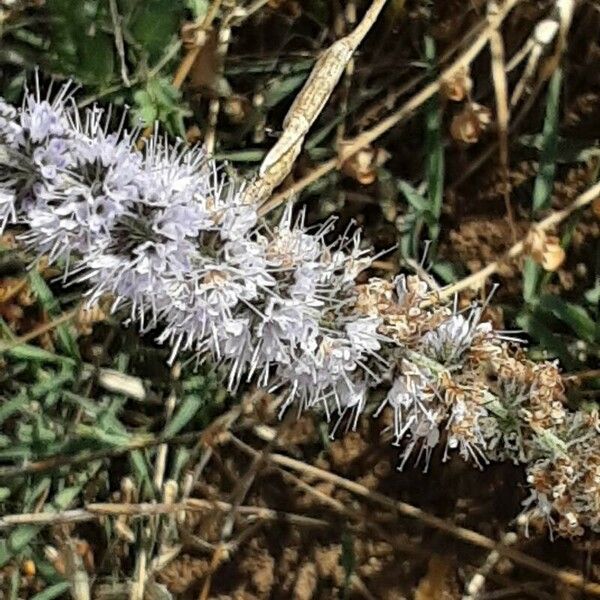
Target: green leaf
[16, 542]
[40, 288]
[416, 200]
[434, 148]
[185, 413]
[199, 8]
[592, 296]
[542, 190]
[141, 473]
[10, 407]
[535, 324]
[64, 498]
[532, 275]
[23, 535]
[279, 89]
[446, 271]
[160, 101]
[54, 591]
[573, 315]
[153, 23]
[33, 353]
[80, 44]
[242, 156]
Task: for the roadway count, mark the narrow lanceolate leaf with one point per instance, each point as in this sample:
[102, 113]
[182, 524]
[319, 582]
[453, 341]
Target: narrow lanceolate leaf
[184, 414]
[532, 275]
[434, 150]
[414, 198]
[542, 191]
[49, 303]
[573, 315]
[54, 591]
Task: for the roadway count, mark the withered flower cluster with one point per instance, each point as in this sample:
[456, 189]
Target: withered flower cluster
[165, 234]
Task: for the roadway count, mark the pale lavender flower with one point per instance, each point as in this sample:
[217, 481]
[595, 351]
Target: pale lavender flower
[8, 213]
[167, 235]
[454, 336]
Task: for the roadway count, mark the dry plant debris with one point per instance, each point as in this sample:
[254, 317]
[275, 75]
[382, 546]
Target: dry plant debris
[123, 478]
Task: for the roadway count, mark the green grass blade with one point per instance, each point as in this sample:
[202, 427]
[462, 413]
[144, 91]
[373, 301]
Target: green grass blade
[542, 190]
[66, 341]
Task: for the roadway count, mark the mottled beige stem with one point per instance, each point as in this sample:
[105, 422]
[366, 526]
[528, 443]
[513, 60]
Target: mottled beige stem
[306, 107]
[370, 135]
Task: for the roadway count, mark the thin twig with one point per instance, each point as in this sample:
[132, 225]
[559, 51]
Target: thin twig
[307, 106]
[96, 511]
[475, 585]
[239, 494]
[214, 106]
[502, 113]
[192, 54]
[407, 109]
[118, 31]
[461, 533]
[387, 103]
[45, 328]
[476, 280]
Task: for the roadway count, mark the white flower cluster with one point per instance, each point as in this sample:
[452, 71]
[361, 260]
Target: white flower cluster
[164, 234]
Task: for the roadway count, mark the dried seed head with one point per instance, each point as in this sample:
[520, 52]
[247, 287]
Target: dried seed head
[87, 317]
[554, 256]
[468, 125]
[545, 249]
[458, 87]
[363, 165]
[236, 108]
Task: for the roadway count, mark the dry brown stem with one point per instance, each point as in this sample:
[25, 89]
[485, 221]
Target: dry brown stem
[476, 280]
[145, 509]
[370, 135]
[472, 537]
[306, 107]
